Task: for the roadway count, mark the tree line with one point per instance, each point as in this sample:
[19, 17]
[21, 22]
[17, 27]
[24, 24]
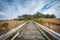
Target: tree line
[36, 15]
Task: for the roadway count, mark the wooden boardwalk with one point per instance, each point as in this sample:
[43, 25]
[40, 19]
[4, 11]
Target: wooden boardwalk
[30, 33]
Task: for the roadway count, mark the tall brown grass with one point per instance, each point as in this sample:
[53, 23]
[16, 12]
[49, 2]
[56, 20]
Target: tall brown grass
[52, 23]
[6, 25]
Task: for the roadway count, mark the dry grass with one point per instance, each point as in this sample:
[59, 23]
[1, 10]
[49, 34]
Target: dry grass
[52, 23]
[6, 25]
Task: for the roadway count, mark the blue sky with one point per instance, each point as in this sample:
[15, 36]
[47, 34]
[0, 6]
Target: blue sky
[10, 9]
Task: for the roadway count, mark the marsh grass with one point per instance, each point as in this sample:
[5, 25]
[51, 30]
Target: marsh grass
[52, 23]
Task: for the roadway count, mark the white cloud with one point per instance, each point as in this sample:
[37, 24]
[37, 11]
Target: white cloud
[53, 9]
[29, 7]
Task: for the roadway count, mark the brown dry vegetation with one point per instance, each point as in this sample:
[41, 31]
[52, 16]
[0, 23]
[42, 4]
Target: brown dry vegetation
[52, 23]
[6, 25]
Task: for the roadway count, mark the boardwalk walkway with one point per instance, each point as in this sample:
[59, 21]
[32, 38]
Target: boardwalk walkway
[30, 33]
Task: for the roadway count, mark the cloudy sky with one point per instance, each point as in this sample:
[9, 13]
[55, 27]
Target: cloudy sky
[10, 9]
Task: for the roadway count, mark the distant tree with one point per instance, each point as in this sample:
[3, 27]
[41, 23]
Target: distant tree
[47, 16]
[40, 15]
[15, 19]
[27, 17]
[37, 15]
[52, 16]
[19, 17]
